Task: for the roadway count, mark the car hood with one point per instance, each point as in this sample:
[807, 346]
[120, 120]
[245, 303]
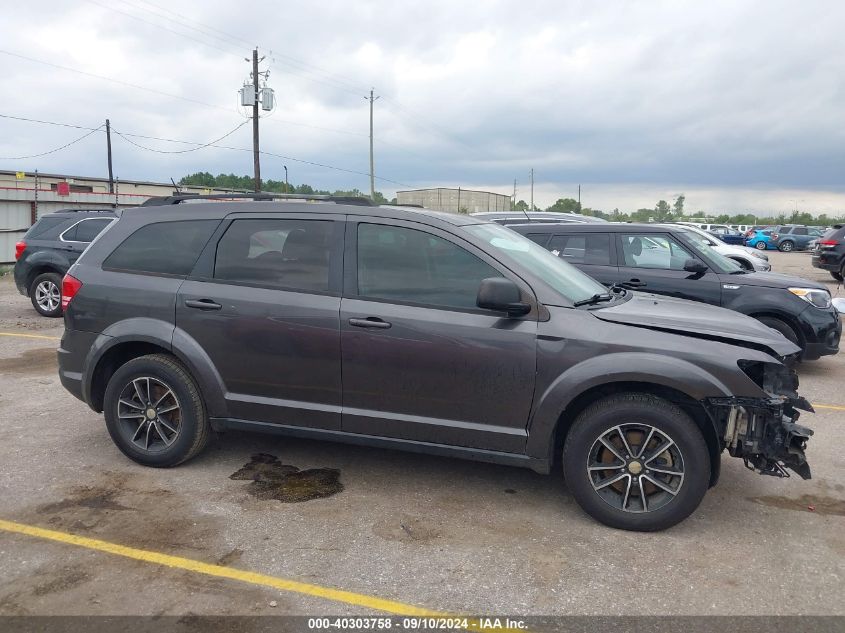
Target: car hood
[691, 318]
[771, 280]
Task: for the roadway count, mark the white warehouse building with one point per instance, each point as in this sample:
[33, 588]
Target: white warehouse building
[455, 200]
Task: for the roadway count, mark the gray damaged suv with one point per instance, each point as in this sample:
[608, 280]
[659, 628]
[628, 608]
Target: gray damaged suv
[423, 331]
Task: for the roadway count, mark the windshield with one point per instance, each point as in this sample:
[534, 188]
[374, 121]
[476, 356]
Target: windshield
[705, 248]
[561, 276]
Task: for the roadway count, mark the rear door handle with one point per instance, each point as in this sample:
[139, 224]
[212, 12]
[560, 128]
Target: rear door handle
[202, 304]
[373, 322]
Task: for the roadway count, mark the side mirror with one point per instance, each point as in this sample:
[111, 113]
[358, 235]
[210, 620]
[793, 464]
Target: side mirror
[695, 266]
[501, 295]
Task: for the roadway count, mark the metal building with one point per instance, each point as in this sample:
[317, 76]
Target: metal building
[26, 196]
[455, 200]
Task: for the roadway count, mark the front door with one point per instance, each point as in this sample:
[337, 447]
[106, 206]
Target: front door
[657, 261]
[265, 310]
[420, 360]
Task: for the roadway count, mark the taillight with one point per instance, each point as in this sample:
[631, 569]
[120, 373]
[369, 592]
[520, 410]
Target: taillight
[828, 243]
[70, 286]
[19, 249]
[775, 236]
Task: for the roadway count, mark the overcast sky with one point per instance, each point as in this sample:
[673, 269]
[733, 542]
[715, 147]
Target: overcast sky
[739, 105]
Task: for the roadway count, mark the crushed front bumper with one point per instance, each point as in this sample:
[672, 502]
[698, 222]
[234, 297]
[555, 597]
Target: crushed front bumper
[764, 432]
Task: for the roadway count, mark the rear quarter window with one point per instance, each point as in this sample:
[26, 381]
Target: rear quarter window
[166, 248]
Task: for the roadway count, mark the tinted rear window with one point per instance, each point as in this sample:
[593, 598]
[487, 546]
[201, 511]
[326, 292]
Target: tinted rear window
[86, 230]
[46, 226]
[836, 231]
[169, 248]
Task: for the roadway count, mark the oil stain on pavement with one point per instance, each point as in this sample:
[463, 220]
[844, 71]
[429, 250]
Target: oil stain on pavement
[41, 360]
[271, 479]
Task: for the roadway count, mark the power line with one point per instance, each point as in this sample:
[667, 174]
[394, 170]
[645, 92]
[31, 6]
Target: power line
[117, 81]
[203, 145]
[179, 151]
[20, 118]
[164, 28]
[53, 151]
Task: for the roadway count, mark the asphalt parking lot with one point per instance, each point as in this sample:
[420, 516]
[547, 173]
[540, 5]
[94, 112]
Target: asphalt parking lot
[435, 533]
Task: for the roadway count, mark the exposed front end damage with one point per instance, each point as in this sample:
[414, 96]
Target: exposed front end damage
[763, 431]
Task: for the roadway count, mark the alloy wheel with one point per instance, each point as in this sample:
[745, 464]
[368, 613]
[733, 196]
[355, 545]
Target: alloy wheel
[635, 468]
[47, 295]
[149, 414]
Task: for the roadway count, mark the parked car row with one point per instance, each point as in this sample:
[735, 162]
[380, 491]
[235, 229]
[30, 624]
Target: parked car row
[678, 261]
[439, 333]
[786, 238]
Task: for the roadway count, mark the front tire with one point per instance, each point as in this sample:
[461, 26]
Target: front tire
[154, 412]
[45, 292]
[636, 462]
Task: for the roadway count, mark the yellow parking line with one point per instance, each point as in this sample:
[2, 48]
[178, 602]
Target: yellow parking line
[283, 584]
[835, 407]
[42, 336]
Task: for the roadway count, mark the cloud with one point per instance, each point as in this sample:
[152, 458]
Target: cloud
[632, 98]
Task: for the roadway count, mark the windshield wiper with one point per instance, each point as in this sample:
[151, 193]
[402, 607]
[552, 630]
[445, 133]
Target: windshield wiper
[598, 298]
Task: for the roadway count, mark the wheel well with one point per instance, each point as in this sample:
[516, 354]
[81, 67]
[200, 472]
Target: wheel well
[690, 406]
[788, 320]
[112, 360]
[38, 270]
[742, 262]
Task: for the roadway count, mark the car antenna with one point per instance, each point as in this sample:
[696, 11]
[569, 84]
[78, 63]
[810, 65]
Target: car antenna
[175, 186]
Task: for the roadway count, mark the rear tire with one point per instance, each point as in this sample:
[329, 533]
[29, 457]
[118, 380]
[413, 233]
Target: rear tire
[786, 246]
[837, 276]
[154, 412]
[781, 326]
[45, 292]
[760, 246]
[633, 486]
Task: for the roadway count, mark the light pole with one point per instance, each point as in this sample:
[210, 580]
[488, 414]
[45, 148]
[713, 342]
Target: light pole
[286, 178]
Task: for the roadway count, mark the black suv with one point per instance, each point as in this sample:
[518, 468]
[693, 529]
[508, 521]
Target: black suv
[431, 332]
[675, 261]
[829, 253]
[47, 251]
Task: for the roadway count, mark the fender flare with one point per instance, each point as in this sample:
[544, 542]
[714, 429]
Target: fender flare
[665, 371]
[164, 335]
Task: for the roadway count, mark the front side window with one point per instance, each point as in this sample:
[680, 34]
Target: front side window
[653, 251]
[410, 266]
[284, 254]
[585, 248]
[521, 253]
[170, 248]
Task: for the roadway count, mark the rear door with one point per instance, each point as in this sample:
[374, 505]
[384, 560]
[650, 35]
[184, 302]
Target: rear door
[657, 260]
[263, 303]
[594, 253]
[420, 360]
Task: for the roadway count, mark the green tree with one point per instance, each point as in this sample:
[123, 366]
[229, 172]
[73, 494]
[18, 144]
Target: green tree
[678, 206]
[522, 205]
[565, 205]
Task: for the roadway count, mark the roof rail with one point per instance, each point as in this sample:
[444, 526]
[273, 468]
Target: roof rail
[109, 210]
[159, 201]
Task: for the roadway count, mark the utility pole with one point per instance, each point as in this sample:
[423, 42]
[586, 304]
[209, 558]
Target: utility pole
[371, 99]
[579, 198]
[513, 203]
[286, 178]
[256, 159]
[108, 148]
[532, 189]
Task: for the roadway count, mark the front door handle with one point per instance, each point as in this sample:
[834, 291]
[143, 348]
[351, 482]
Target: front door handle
[202, 304]
[373, 322]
